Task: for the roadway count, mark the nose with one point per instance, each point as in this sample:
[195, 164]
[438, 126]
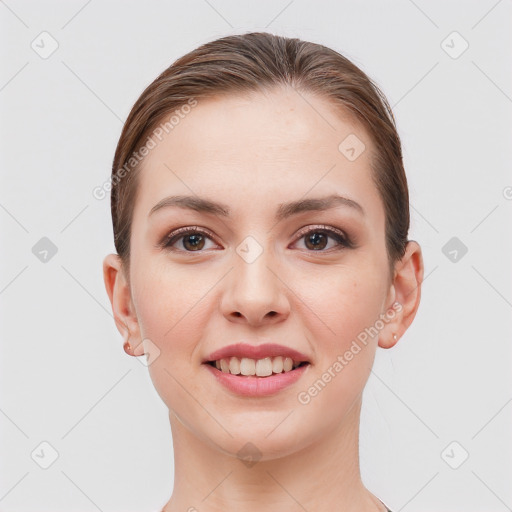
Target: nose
[255, 294]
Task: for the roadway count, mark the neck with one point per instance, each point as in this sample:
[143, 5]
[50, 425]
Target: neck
[324, 475]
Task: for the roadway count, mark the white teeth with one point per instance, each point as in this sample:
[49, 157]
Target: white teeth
[259, 367]
[234, 366]
[277, 364]
[264, 367]
[247, 366]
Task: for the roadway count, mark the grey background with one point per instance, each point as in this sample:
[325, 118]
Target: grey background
[64, 378]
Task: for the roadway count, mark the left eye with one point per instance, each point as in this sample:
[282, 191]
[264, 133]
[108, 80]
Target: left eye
[315, 239]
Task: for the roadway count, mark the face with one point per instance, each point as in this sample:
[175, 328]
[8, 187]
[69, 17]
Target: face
[258, 271]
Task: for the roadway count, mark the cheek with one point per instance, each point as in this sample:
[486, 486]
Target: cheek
[168, 301]
[172, 309]
[169, 311]
[341, 302]
[342, 309]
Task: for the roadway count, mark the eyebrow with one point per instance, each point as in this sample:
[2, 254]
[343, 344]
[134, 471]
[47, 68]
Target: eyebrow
[284, 210]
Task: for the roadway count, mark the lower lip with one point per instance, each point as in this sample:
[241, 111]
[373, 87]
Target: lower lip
[250, 385]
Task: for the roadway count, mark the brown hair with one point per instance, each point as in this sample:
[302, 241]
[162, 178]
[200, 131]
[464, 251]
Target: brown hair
[260, 61]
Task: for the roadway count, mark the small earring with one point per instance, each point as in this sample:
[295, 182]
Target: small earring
[395, 337]
[127, 348]
[126, 335]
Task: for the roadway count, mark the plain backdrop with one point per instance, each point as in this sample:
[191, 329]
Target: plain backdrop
[437, 410]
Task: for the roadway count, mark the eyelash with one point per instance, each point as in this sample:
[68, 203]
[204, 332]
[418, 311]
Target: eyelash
[342, 239]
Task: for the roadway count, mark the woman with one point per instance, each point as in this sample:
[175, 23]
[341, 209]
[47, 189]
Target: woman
[260, 212]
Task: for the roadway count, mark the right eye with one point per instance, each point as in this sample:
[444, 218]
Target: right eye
[192, 239]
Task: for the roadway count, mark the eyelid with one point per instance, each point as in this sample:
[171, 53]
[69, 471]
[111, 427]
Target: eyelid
[322, 227]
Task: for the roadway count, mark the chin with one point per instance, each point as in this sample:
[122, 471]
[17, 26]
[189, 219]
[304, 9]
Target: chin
[268, 439]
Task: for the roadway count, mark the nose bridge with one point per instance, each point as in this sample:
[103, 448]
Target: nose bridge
[255, 291]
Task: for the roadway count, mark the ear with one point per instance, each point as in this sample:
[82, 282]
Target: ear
[404, 295]
[118, 290]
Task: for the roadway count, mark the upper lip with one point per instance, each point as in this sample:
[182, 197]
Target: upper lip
[261, 351]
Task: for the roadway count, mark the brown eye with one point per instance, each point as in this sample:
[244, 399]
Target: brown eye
[195, 242]
[190, 240]
[317, 239]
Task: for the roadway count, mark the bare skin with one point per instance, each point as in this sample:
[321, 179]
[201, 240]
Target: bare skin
[251, 154]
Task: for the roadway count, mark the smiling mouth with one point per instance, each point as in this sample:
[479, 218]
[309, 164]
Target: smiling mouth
[265, 367]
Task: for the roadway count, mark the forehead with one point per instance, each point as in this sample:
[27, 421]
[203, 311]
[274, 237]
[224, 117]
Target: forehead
[283, 142]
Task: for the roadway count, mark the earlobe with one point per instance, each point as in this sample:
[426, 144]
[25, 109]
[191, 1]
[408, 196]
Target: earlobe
[119, 293]
[406, 288]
